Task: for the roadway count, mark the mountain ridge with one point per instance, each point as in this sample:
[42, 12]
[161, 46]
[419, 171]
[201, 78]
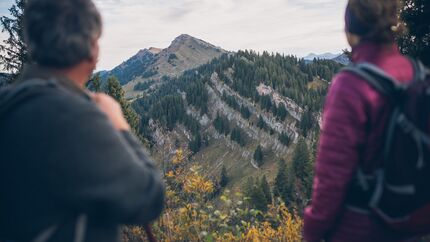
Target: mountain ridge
[339, 58]
[152, 64]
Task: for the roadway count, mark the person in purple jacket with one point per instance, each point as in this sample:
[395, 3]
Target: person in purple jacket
[354, 120]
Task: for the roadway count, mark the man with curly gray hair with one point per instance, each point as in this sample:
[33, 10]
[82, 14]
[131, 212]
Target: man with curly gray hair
[70, 170]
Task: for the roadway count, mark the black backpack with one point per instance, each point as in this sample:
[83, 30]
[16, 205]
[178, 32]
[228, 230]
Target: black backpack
[398, 190]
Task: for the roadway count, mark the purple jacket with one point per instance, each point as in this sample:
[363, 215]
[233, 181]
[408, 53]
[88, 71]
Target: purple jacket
[353, 122]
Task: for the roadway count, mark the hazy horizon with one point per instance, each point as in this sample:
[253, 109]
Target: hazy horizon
[297, 27]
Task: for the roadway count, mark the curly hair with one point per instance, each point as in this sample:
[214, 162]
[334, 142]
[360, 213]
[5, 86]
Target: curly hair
[60, 33]
[381, 16]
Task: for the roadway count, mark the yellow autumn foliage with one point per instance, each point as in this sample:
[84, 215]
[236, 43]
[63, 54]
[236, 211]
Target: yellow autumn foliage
[191, 214]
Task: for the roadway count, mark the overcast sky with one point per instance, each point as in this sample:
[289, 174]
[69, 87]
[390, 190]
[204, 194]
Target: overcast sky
[288, 26]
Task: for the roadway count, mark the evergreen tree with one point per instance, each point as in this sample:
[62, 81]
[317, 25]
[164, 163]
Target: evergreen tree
[274, 110]
[308, 179]
[115, 90]
[191, 124]
[303, 168]
[256, 195]
[300, 159]
[197, 95]
[231, 101]
[258, 155]
[221, 124]
[196, 143]
[416, 43]
[248, 186]
[306, 122]
[261, 123]
[238, 136]
[281, 177]
[244, 111]
[285, 139]
[168, 110]
[266, 102]
[266, 189]
[13, 51]
[259, 199]
[95, 84]
[281, 112]
[284, 183]
[223, 177]
[289, 192]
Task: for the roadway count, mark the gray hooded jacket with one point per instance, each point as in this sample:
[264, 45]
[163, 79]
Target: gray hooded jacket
[65, 171]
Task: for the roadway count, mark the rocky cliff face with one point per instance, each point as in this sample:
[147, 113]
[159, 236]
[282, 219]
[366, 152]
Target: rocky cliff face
[220, 150]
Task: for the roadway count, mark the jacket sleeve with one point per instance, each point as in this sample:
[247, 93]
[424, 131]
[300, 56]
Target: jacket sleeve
[95, 169]
[342, 137]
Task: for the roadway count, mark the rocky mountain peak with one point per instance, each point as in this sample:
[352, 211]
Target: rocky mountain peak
[154, 50]
[191, 42]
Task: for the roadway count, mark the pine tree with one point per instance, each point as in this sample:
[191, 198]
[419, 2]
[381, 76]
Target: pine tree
[244, 111]
[306, 122]
[238, 136]
[282, 112]
[169, 110]
[281, 177]
[308, 179]
[257, 198]
[266, 189]
[302, 168]
[221, 124]
[258, 155]
[284, 138]
[196, 143]
[416, 43]
[289, 192]
[248, 186]
[261, 123]
[284, 183]
[223, 177]
[115, 90]
[13, 51]
[95, 84]
[300, 159]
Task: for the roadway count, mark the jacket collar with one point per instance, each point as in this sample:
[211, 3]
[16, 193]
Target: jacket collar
[372, 52]
[34, 71]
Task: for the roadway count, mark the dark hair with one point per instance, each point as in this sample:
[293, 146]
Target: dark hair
[60, 33]
[380, 16]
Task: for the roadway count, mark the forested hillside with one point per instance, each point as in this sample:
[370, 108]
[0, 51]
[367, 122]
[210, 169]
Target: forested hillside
[241, 129]
[244, 111]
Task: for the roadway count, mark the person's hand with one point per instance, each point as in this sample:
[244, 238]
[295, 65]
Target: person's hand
[111, 108]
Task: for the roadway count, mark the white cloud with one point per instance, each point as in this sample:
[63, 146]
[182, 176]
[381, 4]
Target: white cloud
[289, 26]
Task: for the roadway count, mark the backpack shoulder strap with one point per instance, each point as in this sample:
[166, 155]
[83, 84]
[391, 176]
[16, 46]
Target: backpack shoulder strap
[377, 78]
[421, 71]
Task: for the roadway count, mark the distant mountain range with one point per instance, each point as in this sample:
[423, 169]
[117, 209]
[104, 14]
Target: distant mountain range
[339, 58]
[342, 59]
[325, 56]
